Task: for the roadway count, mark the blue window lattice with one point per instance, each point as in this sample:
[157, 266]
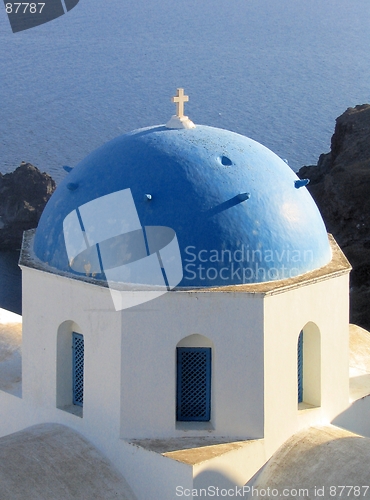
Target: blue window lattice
[78, 369]
[193, 384]
[300, 367]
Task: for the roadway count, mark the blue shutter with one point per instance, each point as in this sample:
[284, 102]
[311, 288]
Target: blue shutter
[193, 383]
[300, 367]
[78, 369]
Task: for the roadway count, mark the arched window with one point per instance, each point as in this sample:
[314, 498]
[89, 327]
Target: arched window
[309, 366]
[70, 363]
[194, 376]
[300, 367]
[78, 368]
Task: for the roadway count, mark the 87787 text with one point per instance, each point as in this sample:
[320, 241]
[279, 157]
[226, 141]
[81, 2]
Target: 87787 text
[23, 8]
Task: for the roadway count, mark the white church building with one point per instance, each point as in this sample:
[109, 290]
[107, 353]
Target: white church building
[185, 316]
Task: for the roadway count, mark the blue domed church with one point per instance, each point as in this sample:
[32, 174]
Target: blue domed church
[184, 309]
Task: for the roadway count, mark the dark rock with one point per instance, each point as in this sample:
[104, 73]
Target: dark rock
[340, 185]
[23, 196]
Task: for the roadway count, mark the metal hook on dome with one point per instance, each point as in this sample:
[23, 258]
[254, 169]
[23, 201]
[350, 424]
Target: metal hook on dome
[239, 198]
[243, 196]
[148, 197]
[301, 182]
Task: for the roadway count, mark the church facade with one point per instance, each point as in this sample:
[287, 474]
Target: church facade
[190, 324]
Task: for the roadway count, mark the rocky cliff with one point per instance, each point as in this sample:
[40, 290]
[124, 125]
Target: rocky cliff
[340, 185]
[23, 195]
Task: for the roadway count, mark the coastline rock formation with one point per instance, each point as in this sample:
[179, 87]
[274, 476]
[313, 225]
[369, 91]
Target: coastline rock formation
[23, 196]
[340, 185]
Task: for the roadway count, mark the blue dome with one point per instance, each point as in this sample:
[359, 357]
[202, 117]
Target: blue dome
[238, 214]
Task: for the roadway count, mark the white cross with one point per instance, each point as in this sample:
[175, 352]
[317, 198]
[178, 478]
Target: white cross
[180, 99]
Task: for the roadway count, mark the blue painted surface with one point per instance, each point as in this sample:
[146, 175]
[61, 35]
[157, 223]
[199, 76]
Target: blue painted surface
[78, 368]
[195, 178]
[300, 367]
[194, 366]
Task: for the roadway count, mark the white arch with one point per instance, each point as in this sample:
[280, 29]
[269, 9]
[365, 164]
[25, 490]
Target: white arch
[311, 364]
[64, 396]
[195, 340]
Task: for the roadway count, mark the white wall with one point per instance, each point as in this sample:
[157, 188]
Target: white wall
[49, 303]
[130, 356]
[356, 418]
[324, 305]
[130, 370]
[150, 333]
[145, 337]
[153, 476]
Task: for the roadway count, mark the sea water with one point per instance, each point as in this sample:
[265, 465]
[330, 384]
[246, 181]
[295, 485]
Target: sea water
[278, 72]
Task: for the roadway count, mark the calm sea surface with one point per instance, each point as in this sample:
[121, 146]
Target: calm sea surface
[278, 72]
